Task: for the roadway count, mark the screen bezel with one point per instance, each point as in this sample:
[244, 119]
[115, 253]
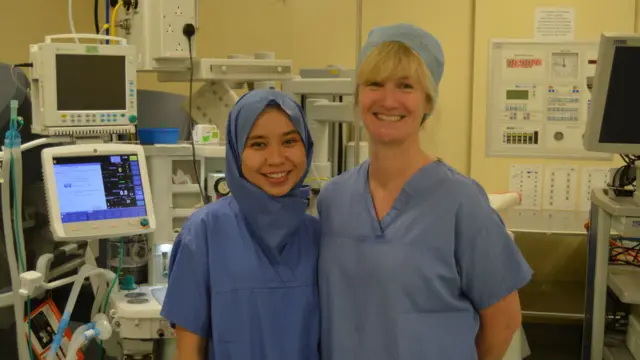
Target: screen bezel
[96, 229]
[608, 44]
[47, 120]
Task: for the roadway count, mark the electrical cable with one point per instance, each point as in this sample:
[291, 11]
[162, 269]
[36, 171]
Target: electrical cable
[114, 16]
[96, 20]
[619, 254]
[625, 176]
[189, 31]
[71, 23]
[105, 28]
[107, 10]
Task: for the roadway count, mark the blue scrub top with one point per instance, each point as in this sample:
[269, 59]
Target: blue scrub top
[224, 288]
[409, 287]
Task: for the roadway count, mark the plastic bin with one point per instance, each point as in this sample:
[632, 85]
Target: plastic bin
[150, 136]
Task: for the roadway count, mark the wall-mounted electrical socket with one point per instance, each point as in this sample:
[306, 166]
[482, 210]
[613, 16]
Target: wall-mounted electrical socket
[156, 31]
[179, 47]
[175, 14]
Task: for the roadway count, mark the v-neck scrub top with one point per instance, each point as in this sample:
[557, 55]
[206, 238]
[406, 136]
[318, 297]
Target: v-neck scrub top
[409, 287]
[223, 286]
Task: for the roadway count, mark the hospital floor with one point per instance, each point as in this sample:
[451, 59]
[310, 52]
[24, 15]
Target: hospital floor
[554, 341]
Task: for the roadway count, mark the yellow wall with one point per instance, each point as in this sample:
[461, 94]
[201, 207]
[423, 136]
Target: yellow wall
[319, 33]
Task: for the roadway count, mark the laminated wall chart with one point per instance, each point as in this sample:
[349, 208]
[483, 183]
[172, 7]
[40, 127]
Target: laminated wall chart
[556, 187]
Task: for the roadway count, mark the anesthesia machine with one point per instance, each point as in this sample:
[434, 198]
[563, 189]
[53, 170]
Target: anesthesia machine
[81, 96]
[614, 226]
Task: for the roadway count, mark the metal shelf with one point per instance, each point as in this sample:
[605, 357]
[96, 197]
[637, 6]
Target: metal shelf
[186, 150]
[616, 351]
[553, 299]
[183, 213]
[623, 280]
[185, 189]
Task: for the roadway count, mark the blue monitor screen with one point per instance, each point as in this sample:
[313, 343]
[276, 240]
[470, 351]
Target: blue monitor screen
[94, 188]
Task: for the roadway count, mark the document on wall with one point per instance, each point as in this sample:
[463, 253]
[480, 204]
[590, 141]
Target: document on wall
[593, 177]
[552, 23]
[527, 180]
[560, 187]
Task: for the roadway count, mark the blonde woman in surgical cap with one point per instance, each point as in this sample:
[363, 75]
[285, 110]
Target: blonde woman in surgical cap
[414, 262]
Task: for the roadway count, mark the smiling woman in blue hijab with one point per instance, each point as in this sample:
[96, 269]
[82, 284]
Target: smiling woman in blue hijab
[242, 275]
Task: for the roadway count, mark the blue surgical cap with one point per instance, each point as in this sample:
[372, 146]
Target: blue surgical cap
[420, 41]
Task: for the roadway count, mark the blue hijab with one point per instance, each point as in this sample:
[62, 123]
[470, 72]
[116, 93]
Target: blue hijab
[270, 219]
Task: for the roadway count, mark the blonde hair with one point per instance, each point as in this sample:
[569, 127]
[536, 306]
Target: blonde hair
[394, 59]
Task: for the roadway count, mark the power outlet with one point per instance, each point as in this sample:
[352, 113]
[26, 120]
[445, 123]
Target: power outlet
[175, 42]
[156, 31]
[175, 14]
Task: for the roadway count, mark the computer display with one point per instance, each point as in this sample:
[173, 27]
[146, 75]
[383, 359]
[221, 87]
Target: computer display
[91, 83]
[619, 122]
[97, 191]
[94, 188]
[83, 89]
[612, 126]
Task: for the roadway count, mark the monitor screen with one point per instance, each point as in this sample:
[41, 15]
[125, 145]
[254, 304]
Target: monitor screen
[91, 82]
[619, 123]
[517, 94]
[94, 188]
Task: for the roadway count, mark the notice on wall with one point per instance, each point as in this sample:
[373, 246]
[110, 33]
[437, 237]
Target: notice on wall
[560, 184]
[527, 181]
[554, 24]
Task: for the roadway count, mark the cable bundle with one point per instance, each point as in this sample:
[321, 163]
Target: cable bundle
[620, 253]
[625, 176]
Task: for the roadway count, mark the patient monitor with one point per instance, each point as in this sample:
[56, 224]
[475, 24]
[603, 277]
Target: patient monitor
[612, 125]
[97, 191]
[83, 88]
